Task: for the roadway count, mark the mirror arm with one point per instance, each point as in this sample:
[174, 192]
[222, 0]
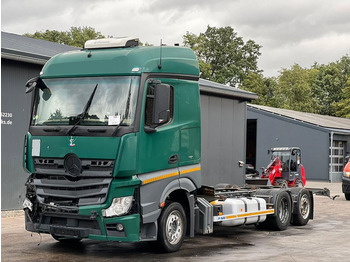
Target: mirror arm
[149, 129]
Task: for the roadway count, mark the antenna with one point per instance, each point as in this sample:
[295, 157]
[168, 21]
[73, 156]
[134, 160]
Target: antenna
[160, 55]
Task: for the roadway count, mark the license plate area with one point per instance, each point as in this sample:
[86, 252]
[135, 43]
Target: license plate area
[69, 232]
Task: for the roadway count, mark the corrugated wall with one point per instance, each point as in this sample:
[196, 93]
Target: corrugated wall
[15, 106]
[223, 140]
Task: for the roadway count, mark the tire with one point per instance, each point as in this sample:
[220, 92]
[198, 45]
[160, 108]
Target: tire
[65, 239]
[172, 227]
[347, 196]
[281, 183]
[298, 183]
[303, 212]
[283, 211]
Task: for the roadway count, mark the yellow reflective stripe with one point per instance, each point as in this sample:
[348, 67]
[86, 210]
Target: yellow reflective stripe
[259, 213]
[190, 170]
[265, 212]
[154, 179]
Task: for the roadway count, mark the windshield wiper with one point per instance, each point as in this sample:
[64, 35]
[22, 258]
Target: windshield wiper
[85, 111]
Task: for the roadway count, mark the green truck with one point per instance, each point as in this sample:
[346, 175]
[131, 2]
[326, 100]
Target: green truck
[114, 152]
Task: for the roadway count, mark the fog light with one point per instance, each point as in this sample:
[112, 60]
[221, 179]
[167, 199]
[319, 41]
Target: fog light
[120, 227]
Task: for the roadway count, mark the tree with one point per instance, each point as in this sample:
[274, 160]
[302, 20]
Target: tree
[57, 115]
[294, 89]
[327, 87]
[265, 88]
[343, 106]
[223, 56]
[76, 36]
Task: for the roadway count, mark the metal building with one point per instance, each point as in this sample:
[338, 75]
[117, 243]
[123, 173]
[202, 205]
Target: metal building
[21, 59]
[324, 140]
[223, 119]
[224, 114]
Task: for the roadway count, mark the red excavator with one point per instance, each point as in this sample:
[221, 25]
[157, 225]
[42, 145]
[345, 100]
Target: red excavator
[284, 170]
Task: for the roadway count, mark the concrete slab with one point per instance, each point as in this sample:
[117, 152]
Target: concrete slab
[326, 238]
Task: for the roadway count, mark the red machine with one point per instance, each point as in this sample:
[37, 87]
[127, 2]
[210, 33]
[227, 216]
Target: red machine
[285, 168]
[346, 180]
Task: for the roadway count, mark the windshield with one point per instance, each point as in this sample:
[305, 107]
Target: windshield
[105, 101]
[283, 156]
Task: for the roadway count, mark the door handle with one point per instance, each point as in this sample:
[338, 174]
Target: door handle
[173, 159]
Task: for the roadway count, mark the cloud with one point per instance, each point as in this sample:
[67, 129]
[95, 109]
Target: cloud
[294, 31]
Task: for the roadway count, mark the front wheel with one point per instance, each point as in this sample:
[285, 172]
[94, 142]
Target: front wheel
[172, 227]
[298, 183]
[281, 183]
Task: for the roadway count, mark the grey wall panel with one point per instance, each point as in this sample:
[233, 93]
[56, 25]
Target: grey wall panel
[15, 106]
[275, 132]
[223, 140]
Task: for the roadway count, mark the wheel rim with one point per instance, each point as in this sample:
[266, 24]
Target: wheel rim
[174, 227]
[283, 212]
[304, 206]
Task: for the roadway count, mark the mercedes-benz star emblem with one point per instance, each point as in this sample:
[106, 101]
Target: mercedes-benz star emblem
[72, 164]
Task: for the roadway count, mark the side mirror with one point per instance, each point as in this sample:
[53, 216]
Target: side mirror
[46, 93]
[31, 84]
[161, 106]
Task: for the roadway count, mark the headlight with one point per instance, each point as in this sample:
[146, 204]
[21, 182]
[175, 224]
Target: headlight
[346, 174]
[119, 206]
[27, 204]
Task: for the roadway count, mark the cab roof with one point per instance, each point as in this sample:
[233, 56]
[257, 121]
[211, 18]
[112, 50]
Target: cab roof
[122, 61]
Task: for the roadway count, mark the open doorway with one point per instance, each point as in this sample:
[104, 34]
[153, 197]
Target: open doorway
[251, 142]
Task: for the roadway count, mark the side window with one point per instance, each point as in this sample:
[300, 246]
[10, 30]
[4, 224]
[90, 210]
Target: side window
[159, 105]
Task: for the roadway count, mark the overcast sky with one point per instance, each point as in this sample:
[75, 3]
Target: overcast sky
[290, 31]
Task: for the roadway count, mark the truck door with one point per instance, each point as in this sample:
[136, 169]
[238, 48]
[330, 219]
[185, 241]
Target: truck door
[160, 133]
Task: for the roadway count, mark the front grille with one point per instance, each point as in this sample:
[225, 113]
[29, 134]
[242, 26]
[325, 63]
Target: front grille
[60, 191]
[90, 167]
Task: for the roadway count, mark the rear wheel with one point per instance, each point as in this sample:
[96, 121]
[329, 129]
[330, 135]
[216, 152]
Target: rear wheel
[283, 210]
[302, 216]
[172, 227]
[347, 196]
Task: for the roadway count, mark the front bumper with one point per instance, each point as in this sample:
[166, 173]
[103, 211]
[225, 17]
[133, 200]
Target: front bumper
[79, 226]
[346, 185]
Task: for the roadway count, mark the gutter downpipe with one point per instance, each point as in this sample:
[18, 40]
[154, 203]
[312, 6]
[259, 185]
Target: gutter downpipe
[330, 178]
